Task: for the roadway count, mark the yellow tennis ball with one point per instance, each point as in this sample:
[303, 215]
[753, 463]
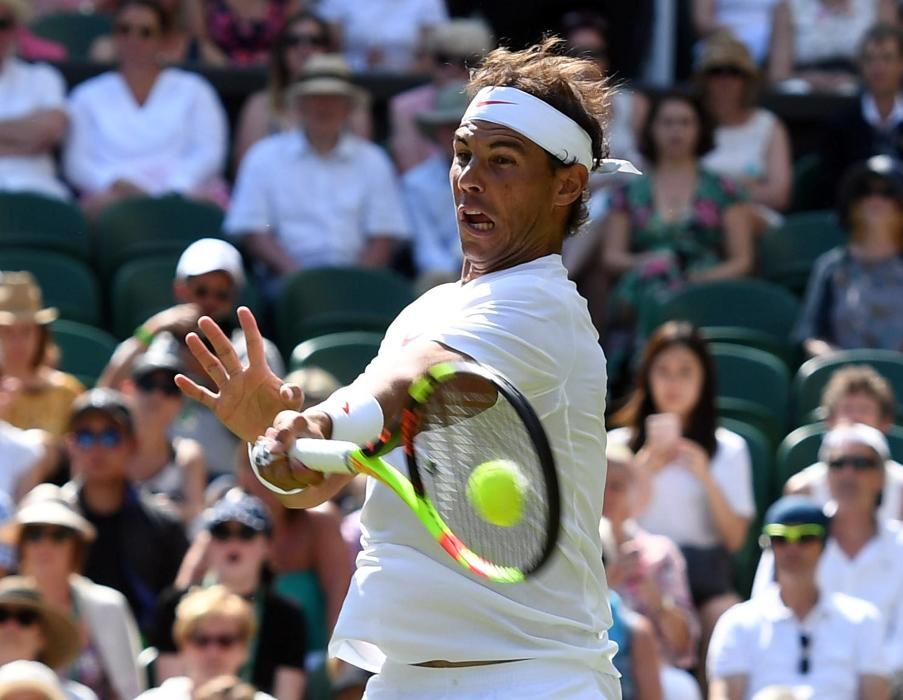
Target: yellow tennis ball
[496, 490]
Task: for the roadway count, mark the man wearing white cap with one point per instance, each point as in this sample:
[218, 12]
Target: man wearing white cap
[523, 153]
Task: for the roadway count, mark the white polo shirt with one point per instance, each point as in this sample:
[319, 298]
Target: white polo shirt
[27, 88]
[760, 639]
[409, 601]
[874, 575]
[322, 208]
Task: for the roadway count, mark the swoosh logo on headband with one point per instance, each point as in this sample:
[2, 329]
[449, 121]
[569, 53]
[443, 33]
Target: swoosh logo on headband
[483, 103]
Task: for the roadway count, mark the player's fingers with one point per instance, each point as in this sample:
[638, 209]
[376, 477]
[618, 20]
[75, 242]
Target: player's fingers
[195, 391]
[292, 396]
[221, 344]
[207, 360]
[253, 337]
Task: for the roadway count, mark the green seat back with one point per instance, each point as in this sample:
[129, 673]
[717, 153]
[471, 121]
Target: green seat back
[787, 252]
[74, 30]
[38, 222]
[84, 350]
[344, 355]
[140, 289]
[144, 226]
[334, 299]
[66, 283]
[807, 183]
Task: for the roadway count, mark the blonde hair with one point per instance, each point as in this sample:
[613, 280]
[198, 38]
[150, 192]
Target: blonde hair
[214, 602]
[224, 688]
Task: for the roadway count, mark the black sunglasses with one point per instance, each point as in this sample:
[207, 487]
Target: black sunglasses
[726, 72]
[858, 463]
[805, 643]
[293, 40]
[105, 438]
[54, 533]
[7, 23]
[202, 292]
[22, 616]
[225, 531]
[223, 641]
[157, 382]
[143, 31]
[780, 540]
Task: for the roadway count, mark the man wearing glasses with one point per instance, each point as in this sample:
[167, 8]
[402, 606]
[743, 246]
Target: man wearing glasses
[796, 635]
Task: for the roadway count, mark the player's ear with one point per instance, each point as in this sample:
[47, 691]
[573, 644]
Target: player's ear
[570, 183]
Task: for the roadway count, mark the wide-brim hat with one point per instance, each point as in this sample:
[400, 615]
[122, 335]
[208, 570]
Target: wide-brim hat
[20, 300]
[22, 675]
[49, 507]
[326, 74]
[62, 639]
[448, 107]
[723, 50]
[461, 37]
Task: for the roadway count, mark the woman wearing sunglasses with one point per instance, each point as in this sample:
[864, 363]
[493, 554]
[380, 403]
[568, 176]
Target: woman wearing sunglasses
[51, 541]
[752, 146]
[215, 633]
[234, 547]
[854, 291]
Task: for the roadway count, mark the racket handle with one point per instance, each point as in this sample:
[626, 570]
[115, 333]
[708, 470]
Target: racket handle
[327, 456]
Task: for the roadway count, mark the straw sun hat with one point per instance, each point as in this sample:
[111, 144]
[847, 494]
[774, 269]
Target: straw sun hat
[20, 299]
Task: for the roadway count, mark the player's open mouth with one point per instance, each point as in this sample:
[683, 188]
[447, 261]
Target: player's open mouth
[475, 219]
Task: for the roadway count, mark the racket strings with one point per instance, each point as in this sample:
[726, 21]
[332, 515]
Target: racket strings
[460, 430]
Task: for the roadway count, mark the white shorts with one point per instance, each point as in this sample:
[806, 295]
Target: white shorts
[535, 679]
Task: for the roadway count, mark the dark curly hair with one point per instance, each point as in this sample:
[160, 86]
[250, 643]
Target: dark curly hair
[706, 140]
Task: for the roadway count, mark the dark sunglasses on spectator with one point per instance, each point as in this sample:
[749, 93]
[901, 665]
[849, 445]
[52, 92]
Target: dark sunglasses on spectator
[223, 641]
[105, 438]
[293, 40]
[725, 71]
[6, 23]
[202, 292]
[226, 531]
[805, 643]
[805, 533]
[22, 616]
[858, 463]
[125, 29]
[164, 383]
[36, 533]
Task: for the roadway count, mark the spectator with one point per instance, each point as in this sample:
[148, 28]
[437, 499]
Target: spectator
[452, 48]
[143, 129]
[864, 555]
[32, 680]
[213, 630]
[751, 144]
[268, 111]
[854, 291]
[383, 35]
[798, 634]
[171, 468]
[430, 205]
[52, 541]
[209, 279]
[32, 114]
[139, 544]
[34, 631]
[241, 33]
[334, 201]
[856, 394]
[678, 224]
[43, 396]
[672, 425]
[873, 124]
[235, 542]
[815, 41]
[649, 573]
[748, 20]
[178, 41]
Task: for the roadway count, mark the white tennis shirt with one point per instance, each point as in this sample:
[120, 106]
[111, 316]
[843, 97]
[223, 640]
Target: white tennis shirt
[409, 601]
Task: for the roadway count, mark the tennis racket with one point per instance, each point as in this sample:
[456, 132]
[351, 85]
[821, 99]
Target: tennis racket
[460, 415]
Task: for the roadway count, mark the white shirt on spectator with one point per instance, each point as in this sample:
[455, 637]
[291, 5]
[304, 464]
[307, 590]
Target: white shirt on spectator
[742, 151]
[891, 508]
[175, 142]
[434, 221]
[875, 575]
[180, 688]
[731, 469]
[529, 323]
[873, 117]
[825, 34]
[749, 21]
[25, 89]
[19, 451]
[392, 27]
[760, 639]
[321, 208]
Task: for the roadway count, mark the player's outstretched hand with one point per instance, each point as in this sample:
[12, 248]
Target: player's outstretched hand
[247, 399]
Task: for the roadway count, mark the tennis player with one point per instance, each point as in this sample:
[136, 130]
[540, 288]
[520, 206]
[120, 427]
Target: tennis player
[429, 629]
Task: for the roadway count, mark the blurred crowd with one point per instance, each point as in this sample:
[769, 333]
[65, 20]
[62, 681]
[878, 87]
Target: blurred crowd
[139, 559]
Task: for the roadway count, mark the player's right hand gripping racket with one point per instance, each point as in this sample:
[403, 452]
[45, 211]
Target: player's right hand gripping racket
[460, 415]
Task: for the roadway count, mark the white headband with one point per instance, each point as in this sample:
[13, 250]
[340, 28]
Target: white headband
[544, 125]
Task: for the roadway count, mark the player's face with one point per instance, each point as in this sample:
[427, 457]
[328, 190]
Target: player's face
[675, 379]
[509, 199]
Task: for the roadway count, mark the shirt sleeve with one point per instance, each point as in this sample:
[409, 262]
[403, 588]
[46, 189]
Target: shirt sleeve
[429, 253]
[730, 650]
[250, 210]
[732, 470]
[384, 213]
[814, 320]
[206, 151]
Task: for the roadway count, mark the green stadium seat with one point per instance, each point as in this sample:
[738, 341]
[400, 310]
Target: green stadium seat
[66, 283]
[84, 350]
[814, 374]
[747, 312]
[34, 221]
[74, 30]
[787, 252]
[753, 386]
[344, 355]
[144, 226]
[334, 299]
[807, 183]
[800, 449]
